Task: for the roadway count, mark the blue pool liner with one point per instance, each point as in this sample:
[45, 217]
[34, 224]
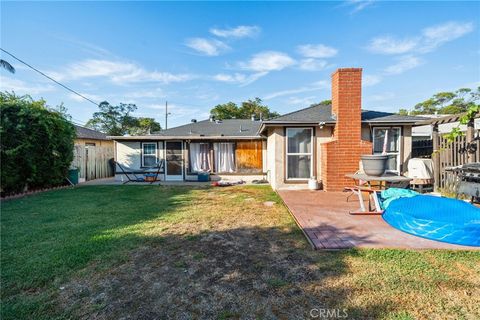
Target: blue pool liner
[442, 219]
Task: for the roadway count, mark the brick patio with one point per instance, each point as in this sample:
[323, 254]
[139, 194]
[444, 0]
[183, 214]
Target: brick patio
[324, 219]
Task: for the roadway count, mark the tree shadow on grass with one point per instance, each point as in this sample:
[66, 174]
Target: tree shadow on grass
[48, 236]
[247, 273]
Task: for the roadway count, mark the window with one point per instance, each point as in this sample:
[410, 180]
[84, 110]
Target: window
[224, 153]
[199, 157]
[387, 141]
[299, 153]
[149, 154]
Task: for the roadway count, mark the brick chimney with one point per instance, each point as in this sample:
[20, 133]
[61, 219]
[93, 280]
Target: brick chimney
[342, 155]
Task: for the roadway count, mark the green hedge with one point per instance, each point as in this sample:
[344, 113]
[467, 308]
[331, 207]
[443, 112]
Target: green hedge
[36, 144]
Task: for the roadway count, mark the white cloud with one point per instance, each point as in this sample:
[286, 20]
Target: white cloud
[268, 61]
[117, 71]
[370, 80]
[304, 101]
[22, 87]
[316, 51]
[437, 35]
[319, 85]
[358, 5]
[152, 94]
[382, 96]
[390, 45]
[239, 78]
[404, 63]
[223, 77]
[208, 47]
[313, 64]
[429, 39]
[93, 97]
[237, 32]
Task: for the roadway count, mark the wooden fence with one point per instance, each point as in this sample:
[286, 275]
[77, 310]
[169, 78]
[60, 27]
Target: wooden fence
[92, 161]
[451, 154]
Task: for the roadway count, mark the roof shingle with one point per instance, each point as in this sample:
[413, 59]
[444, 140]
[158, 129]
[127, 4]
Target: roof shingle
[85, 133]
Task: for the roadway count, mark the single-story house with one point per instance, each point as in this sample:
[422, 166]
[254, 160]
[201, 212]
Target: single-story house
[89, 137]
[323, 142]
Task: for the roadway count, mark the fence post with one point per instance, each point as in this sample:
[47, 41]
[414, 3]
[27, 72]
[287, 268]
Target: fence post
[470, 137]
[436, 157]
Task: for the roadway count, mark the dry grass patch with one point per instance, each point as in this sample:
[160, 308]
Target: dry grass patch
[222, 253]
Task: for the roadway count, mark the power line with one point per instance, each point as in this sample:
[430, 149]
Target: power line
[50, 78]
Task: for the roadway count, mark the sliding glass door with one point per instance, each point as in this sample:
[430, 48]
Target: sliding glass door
[299, 157]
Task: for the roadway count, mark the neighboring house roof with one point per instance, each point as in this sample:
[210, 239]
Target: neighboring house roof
[426, 130]
[85, 133]
[222, 129]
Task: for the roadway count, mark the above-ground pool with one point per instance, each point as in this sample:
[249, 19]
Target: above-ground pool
[436, 218]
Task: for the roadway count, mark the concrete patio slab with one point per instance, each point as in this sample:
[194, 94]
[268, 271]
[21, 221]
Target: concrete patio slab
[325, 221]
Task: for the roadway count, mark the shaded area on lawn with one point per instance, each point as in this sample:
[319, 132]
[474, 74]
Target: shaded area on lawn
[46, 237]
[249, 272]
[180, 252]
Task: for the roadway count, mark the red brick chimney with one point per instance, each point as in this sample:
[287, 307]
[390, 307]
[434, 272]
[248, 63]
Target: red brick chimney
[342, 155]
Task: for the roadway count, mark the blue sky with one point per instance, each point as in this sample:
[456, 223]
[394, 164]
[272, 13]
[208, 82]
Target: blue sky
[197, 55]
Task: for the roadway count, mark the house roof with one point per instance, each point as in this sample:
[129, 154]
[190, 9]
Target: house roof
[388, 117]
[315, 113]
[223, 129]
[85, 133]
[323, 113]
[248, 129]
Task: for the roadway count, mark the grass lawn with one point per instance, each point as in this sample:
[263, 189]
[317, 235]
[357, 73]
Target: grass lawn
[110, 252]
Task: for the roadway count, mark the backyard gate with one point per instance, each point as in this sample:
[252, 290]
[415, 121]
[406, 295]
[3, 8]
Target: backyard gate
[92, 161]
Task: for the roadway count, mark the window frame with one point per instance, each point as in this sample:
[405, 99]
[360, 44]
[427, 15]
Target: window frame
[311, 154]
[143, 154]
[400, 147]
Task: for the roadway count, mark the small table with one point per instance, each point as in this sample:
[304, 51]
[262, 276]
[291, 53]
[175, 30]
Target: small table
[383, 179]
[372, 194]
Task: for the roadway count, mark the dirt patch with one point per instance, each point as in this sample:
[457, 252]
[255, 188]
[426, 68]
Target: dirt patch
[247, 262]
[224, 257]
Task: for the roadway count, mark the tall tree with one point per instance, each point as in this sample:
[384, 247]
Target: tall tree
[446, 102]
[113, 120]
[118, 121]
[144, 126]
[227, 110]
[247, 109]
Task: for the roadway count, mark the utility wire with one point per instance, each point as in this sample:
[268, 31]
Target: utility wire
[50, 78]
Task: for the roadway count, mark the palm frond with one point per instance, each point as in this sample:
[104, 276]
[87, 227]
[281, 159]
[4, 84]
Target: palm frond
[7, 66]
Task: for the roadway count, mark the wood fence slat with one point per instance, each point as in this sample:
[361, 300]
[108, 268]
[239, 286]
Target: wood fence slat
[92, 161]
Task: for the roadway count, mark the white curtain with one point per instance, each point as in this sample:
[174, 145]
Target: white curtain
[224, 157]
[199, 157]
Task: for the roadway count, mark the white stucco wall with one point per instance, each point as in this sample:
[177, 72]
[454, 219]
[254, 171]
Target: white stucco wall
[128, 154]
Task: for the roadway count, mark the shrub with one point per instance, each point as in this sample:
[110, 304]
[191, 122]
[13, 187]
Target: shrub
[36, 145]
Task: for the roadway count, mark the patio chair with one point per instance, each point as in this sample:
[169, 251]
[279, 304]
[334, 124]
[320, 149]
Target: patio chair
[136, 178]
